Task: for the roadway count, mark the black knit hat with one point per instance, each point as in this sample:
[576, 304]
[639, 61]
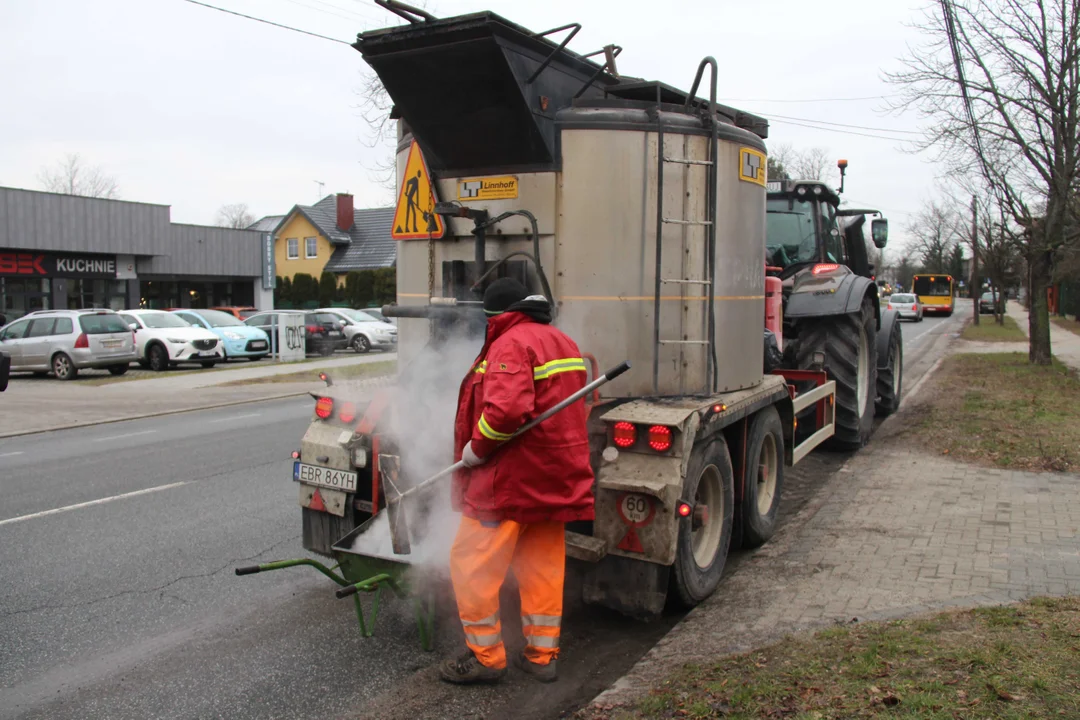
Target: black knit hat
[501, 294]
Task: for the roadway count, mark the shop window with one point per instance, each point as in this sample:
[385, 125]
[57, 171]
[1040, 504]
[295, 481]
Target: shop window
[294, 248]
[23, 295]
[311, 248]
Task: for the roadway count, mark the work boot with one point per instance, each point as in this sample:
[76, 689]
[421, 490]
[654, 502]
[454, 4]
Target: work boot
[543, 673]
[467, 670]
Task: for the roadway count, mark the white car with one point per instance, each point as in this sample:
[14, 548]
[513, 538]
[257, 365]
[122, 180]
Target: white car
[163, 339]
[363, 331]
[906, 305]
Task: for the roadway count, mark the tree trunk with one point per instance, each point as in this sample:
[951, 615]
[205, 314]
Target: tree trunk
[1038, 310]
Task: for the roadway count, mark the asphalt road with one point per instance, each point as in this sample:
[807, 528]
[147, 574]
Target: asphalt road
[118, 599]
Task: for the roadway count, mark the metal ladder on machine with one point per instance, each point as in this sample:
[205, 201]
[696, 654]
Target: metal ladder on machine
[706, 283]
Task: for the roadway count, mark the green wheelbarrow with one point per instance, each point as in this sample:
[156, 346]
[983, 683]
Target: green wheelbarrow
[364, 568]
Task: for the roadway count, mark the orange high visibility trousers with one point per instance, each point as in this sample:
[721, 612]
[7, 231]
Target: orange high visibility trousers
[479, 560]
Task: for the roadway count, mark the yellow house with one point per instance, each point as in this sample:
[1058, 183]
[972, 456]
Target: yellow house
[333, 236]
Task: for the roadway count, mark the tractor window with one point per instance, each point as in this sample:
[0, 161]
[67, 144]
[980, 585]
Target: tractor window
[834, 239]
[791, 232]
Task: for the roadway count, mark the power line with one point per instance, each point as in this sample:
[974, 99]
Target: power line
[842, 132]
[268, 22]
[352, 17]
[842, 125]
[817, 100]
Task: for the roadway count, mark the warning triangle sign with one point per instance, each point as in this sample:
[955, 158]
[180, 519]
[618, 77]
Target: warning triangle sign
[317, 502]
[631, 543]
[414, 217]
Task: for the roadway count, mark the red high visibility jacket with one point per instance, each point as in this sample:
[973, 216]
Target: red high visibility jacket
[524, 368]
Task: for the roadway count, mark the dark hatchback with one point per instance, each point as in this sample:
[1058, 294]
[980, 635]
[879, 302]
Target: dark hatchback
[323, 333]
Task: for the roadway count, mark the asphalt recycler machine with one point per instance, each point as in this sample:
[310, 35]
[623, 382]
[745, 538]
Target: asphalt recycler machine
[639, 211]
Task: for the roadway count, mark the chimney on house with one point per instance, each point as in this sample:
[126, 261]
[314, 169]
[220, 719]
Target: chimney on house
[344, 212]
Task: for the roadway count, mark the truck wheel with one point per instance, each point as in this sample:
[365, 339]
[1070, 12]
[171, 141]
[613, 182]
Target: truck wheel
[891, 378]
[705, 537]
[848, 343]
[764, 478]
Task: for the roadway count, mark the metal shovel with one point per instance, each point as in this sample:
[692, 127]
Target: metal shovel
[399, 525]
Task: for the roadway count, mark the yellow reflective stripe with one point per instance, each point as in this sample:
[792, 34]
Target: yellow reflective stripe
[558, 366]
[542, 641]
[541, 620]
[491, 433]
[481, 368]
[483, 640]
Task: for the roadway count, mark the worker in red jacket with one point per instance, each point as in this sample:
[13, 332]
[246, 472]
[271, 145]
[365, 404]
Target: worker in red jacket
[515, 504]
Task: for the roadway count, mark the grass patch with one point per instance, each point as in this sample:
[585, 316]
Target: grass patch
[989, 331]
[341, 372]
[1021, 661]
[1071, 325]
[1000, 410]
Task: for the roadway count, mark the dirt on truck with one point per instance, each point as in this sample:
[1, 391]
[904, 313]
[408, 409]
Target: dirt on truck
[639, 211]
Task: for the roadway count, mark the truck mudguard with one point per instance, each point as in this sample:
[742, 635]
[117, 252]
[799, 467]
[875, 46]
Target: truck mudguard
[823, 295]
[885, 327]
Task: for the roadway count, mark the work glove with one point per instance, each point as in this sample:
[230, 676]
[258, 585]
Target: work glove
[469, 458]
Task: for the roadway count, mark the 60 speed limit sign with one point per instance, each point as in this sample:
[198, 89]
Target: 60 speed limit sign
[636, 510]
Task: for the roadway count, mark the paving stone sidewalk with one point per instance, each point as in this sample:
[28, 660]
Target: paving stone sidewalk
[896, 532]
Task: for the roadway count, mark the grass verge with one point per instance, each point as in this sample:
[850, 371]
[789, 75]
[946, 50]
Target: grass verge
[341, 372]
[1018, 661]
[1072, 326]
[997, 409]
[989, 331]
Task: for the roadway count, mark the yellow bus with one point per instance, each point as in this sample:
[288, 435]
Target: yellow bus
[935, 293]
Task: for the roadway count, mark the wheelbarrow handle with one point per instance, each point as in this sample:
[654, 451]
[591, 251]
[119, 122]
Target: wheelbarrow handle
[346, 591]
[249, 570]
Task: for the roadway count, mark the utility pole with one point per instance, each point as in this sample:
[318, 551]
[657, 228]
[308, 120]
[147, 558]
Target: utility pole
[976, 288]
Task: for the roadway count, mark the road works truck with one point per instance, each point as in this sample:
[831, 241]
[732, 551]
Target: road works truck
[639, 210]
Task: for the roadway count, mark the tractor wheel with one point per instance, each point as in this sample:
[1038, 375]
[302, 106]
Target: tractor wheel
[848, 343]
[763, 479]
[890, 378]
[705, 537]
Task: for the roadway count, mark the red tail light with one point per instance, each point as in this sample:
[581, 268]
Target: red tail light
[822, 268]
[347, 413]
[82, 341]
[660, 438]
[313, 329]
[625, 434]
[683, 509]
[324, 408]
[889, 306]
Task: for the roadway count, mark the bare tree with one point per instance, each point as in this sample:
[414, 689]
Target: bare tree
[235, 216]
[999, 249]
[72, 176]
[933, 233]
[811, 164]
[999, 83]
[779, 161]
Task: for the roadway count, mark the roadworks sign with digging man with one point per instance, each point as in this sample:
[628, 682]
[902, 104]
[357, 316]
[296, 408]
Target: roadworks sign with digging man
[414, 217]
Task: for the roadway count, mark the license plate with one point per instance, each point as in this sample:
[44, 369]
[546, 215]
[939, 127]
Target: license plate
[207, 353]
[111, 343]
[258, 345]
[335, 333]
[324, 477]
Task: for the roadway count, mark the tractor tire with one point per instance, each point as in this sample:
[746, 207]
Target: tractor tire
[702, 553]
[763, 480]
[890, 379]
[850, 348]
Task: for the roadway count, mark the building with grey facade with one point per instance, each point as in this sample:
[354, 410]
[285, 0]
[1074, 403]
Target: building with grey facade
[66, 251]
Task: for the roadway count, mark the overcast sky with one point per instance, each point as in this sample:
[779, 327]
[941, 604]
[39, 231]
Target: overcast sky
[193, 108]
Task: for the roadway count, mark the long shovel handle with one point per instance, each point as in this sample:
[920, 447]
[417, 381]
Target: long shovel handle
[561, 405]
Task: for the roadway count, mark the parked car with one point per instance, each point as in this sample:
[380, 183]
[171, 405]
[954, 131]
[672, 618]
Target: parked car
[986, 302]
[240, 312]
[363, 331]
[66, 341]
[378, 315]
[906, 305]
[162, 340]
[323, 332]
[237, 339]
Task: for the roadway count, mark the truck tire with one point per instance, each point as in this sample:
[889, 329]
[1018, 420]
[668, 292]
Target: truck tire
[890, 378]
[848, 342]
[701, 554]
[764, 478]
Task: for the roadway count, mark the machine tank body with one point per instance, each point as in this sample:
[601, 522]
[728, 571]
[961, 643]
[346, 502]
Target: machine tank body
[606, 253]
